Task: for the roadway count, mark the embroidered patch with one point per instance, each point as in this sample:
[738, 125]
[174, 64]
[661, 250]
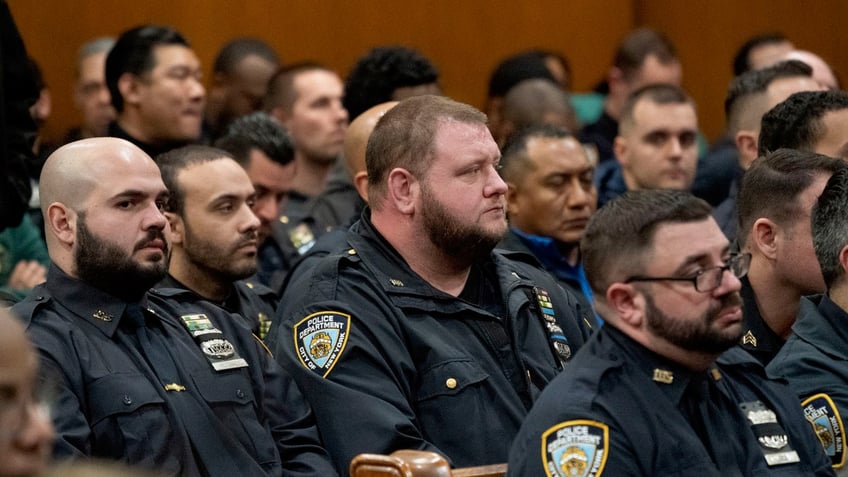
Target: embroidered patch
[320, 339]
[575, 449]
[822, 414]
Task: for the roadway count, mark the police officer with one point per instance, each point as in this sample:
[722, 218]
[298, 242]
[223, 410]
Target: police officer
[813, 358]
[176, 387]
[214, 234]
[418, 335]
[654, 392]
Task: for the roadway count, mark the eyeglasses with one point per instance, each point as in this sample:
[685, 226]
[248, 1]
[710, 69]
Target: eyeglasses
[707, 279]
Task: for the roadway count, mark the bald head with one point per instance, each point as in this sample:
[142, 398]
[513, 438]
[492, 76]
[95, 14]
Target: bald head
[356, 141]
[73, 171]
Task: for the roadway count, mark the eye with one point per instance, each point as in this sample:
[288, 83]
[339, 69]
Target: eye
[124, 204]
[687, 139]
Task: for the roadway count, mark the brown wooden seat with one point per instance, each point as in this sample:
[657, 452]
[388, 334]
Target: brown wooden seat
[415, 463]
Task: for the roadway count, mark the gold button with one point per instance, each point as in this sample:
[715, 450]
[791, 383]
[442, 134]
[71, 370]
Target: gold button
[450, 383]
[351, 252]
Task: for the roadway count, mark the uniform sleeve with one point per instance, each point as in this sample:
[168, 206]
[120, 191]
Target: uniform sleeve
[292, 423]
[351, 364]
[73, 433]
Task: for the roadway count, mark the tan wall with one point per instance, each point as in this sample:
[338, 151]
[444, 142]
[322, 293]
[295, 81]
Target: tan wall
[465, 38]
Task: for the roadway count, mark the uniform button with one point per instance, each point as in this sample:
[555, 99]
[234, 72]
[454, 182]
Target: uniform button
[39, 298]
[450, 383]
[240, 393]
[351, 252]
[127, 399]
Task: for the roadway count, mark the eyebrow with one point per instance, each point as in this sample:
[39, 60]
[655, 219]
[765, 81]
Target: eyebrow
[698, 258]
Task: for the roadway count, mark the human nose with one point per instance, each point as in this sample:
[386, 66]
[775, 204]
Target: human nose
[37, 430]
[251, 222]
[675, 149]
[496, 185]
[578, 196]
[196, 89]
[154, 218]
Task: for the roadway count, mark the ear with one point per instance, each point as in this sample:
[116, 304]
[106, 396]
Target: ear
[281, 115]
[403, 190]
[177, 227]
[619, 148]
[843, 259]
[627, 303]
[615, 79]
[360, 181]
[746, 144]
[764, 237]
[61, 221]
[130, 87]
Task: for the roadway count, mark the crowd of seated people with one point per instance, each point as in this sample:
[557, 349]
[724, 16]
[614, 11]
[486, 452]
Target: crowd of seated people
[289, 267]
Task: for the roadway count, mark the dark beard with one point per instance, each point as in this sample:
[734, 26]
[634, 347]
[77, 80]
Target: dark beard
[105, 266]
[217, 263]
[454, 238]
[693, 336]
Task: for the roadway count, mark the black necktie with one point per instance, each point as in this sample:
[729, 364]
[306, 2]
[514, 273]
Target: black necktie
[706, 410]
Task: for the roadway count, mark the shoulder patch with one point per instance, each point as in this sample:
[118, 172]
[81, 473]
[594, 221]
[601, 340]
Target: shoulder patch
[575, 449]
[320, 339]
[822, 414]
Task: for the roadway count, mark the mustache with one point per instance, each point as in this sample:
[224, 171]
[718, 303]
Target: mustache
[157, 234]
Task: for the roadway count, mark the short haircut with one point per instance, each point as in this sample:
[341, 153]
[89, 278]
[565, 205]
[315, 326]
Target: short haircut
[515, 163]
[747, 87]
[532, 100]
[238, 49]
[97, 45]
[742, 60]
[281, 92]
[771, 186]
[796, 122]
[172, 162]
[405, 137]
[655, 93]
[637, 46]
[522, 66]
[134, 53]
[620, 235]
[257, 131]
[376, 75]
[830, 226]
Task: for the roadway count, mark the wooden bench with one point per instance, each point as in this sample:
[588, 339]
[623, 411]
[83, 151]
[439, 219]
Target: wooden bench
[415, 463]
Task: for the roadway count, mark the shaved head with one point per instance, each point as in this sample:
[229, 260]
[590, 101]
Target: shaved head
[357, 134]
[73, 171]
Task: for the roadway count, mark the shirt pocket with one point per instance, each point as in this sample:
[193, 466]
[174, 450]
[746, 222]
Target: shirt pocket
[126, 417]
[455, 397]
[231, 397]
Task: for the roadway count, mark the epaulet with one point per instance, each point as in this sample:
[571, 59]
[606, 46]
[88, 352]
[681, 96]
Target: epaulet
[25, 309]
[168, 292]
[519, 256]
[256, 288]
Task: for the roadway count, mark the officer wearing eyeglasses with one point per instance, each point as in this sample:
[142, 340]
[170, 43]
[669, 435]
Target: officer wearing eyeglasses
[661, 389]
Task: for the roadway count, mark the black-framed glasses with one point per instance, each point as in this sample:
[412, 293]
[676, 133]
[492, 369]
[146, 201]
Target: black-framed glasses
[707, 279]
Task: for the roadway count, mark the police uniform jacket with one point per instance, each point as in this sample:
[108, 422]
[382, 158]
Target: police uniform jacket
[388, 362]
[815, 362]
[109, 402]
[615, 411]
[758, 338]
[253, 302]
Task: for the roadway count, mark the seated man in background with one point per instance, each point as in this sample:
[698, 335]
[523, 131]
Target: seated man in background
[433, 339]
[813, 359]
[661, 389]
[656, 144]
[214, 234]
[550, 199]
[91, 96]
[814, 121]
[775, 199]
[534, 102]
[153, 77]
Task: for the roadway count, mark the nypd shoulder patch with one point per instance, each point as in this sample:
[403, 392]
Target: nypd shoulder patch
[575, 449]
[320, 339]
[823, 415]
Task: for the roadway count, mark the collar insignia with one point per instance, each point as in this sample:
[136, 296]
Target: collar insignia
[102, 316]
[663, 376]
